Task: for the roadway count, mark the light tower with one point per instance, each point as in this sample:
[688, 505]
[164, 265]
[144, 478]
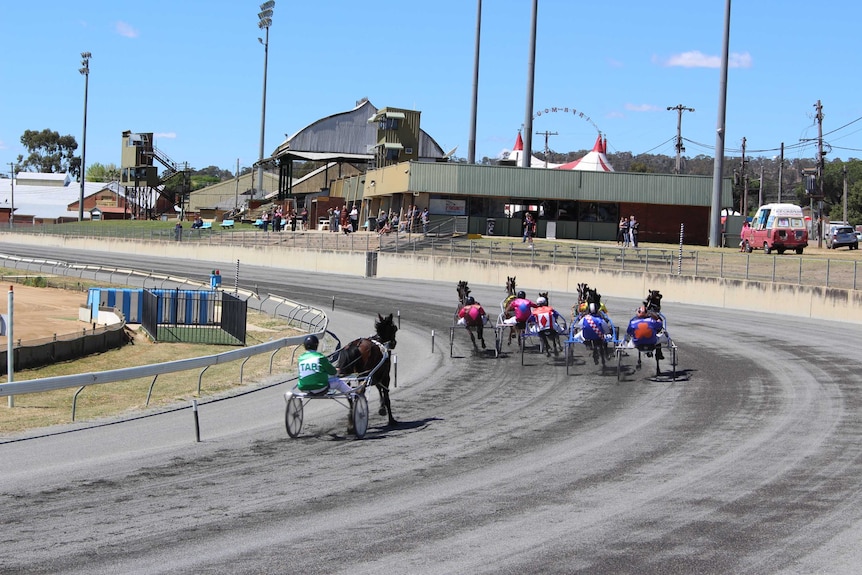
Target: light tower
[265, 21]
[85, 70]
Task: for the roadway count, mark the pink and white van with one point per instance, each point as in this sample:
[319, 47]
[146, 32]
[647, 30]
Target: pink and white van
[778, 227]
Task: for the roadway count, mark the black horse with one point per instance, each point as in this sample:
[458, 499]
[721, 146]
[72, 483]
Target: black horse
[365, 357]
[599, 347]
[511, 292]
[549, 335]
[652, 304]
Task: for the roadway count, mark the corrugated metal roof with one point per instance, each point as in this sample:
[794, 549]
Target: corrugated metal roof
[540, 184]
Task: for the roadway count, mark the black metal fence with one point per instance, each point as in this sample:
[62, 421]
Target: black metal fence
[194, 316]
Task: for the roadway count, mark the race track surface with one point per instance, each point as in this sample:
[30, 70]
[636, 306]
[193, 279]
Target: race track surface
[751, 463]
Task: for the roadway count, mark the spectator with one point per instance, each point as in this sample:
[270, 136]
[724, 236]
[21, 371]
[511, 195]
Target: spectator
[332, 221]
[426, 219]
[743, 235]
[303, 218]
[633, 231]
[345, 220]
[623, 232]
[354, 218]
[529, 228]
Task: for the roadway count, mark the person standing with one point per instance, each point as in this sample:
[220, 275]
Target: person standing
[633, 231]
[623, 232]
[426, 218]
[354, 218]
[529, 228]
[743, 235]
[332, 220]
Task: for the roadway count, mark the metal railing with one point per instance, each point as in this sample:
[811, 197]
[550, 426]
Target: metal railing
[439, 242]
[305, 318]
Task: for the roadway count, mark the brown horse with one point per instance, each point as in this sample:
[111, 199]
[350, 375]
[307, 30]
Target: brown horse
[369, 357]
[463, 294]
[511, 290]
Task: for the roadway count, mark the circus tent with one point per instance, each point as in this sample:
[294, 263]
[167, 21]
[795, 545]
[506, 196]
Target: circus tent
[594, 161]
[513, 157]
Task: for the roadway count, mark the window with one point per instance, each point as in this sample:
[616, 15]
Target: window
[388, 124]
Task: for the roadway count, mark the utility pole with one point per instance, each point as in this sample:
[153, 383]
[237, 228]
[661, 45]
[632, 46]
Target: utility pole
[679, 147]
[744, 209]
[546, 133]
[845, 194]
[781, 173]
[236, 192]
[471, 144]
[820, 155]
[12, 206]
[527, 156]
[760, 189]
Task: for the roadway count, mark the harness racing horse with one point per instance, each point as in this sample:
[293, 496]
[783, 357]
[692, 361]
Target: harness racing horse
[652, 304]
[511, 291]
[548, 333]
[365, 358]
[463, 294]
[599, 347]
[582, 299]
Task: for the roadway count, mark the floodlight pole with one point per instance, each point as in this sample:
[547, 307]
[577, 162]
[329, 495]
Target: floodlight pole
[12, 200]
[265, 22]
[85, 70]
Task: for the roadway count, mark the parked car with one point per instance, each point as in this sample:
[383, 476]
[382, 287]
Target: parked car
[859, 236]
[843, 236]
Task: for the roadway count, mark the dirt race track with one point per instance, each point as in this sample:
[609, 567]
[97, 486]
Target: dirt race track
[750, 464]
[42, 312]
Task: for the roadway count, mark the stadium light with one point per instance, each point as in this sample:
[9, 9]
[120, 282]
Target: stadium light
[85, 70]
[265, 21]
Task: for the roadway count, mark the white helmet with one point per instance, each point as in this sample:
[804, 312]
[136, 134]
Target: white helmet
[542, 301]
[593, 308]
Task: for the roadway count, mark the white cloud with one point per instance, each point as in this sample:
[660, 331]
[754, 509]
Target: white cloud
[697, 59]
[3, 145]
[166, 135]
[613, 63]
[126, 30]
[641, 107]
[615, 115]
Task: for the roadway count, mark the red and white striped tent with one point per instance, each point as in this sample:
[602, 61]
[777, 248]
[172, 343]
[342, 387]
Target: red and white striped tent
[514, 156]
[594, 161]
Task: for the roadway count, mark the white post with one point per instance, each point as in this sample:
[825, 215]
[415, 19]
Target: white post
[10, 344]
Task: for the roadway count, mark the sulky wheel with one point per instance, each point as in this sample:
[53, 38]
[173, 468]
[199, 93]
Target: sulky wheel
[451, 341]
[359, 414]
[619, 353]
[293, 416]
[522, 343]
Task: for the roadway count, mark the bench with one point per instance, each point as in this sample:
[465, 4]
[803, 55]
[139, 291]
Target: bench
[227, 224]
[258, 223]
[207, 226]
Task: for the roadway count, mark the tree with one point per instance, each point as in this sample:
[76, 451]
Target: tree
[49, 152]
[101, 173]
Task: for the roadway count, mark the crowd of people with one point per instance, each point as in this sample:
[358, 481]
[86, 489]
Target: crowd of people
[627, 234]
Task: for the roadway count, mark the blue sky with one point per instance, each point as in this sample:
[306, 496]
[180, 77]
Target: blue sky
[192, 72]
